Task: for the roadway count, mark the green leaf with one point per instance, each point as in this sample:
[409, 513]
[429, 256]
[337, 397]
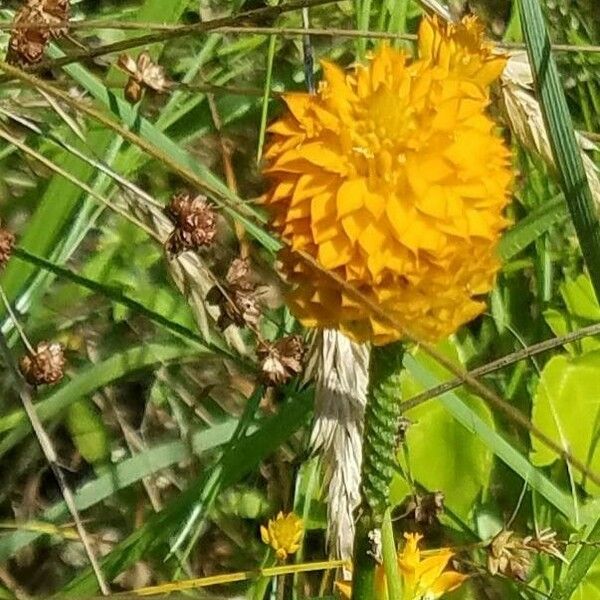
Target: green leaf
[505, 451]
[566, 407]
[530, 228]
[460, 473]
[88, 431]
[580, 299]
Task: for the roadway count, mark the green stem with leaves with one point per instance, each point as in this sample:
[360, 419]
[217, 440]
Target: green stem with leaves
[382, 415]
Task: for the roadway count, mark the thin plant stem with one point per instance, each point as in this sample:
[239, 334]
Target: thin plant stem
[502, 362]
[97, 164]
[390, 562]
[86, 188]
[265, 101]
[183, 30]
[16, 322]
[307, 53]
[52, 459]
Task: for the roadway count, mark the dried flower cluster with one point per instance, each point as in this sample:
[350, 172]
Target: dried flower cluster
[281, 360]
[195, 223]
[236, 298]
[144, 74]
[7, 243]
[393, 177]
[27, 44]
[426, 508]
[45, 366]
[511, 555]
[283, 534]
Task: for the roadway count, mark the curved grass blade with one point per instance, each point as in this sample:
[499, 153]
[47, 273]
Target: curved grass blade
[118, 296]
[122, 475]
[530, 228]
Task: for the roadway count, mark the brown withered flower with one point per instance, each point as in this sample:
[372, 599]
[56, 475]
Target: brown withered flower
[427, 507]
[509, 556]
[7, 243]
[236, 298]
[195, 223]
[545, 542]
[46, 365]
[282, 359]
[27, 44]
[144, 74]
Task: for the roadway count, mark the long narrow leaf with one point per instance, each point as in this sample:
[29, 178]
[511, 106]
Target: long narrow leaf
[559, 125]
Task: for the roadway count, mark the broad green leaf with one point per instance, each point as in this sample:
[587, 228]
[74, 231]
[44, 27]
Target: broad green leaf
[88, 431]
[463, 470]
[566, 407]
[504, 450]
[580, 299]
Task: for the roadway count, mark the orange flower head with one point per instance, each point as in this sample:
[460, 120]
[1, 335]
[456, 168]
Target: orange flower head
[394, 178]
[421, 578]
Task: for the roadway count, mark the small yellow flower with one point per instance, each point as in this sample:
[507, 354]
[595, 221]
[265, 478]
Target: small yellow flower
[422, 578]
[394, 178]
[425, 577]
[283, 534]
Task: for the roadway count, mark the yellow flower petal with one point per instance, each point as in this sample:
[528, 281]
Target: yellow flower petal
[394, 177]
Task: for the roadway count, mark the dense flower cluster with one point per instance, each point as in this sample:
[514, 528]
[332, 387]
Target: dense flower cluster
[393, 177]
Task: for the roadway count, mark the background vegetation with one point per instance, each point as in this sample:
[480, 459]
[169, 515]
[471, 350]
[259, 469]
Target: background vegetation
[174, 448]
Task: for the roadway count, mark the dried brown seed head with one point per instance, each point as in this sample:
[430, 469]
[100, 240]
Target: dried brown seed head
[239, 274]
[509, 556]
[281, 360]
[428, 507]
[404, 424]
[545, 542]
[27, 44]
[144, 74]
[195, 223]
[45, 366]
[241, 308]
[7, 243]
[236, 297]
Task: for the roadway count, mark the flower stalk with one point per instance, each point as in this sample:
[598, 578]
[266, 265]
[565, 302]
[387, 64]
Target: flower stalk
[382, 415]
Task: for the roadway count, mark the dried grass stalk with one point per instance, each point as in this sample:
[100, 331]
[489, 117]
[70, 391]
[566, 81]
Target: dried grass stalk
[339, 367]
[525, 117]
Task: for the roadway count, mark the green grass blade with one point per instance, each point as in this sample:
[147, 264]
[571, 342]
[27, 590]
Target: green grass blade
[559, 125]
[90, 379]
[122, 475]
[530, 228]
[118, 296]
[153, 536]
[579, 566]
